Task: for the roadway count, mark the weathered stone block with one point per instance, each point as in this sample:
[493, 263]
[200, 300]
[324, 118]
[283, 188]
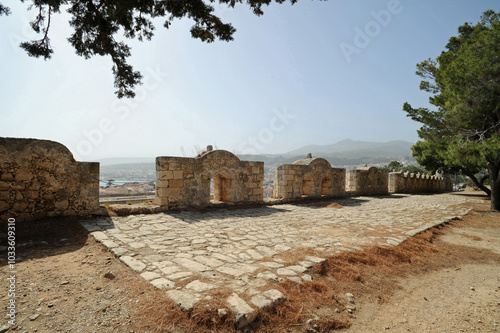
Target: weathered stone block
[34, 186]
[4, 195]
[175, 166]
[184, 300]
[275, 296]
[164, 175]
[161, 183]
[163, 283]
[4, 206]
[161, 165]
[178, 174]
[19, 196]
[199, 286]
[133, 263]
[46, 165]
[168, 192]
[23, 175]
[148, 276]
[257, 191]
[243, 313]
[61, 205]
[175, 183]
[261, 302]
[20, 206]
[49, 196]
[7, 176]
[4, 186]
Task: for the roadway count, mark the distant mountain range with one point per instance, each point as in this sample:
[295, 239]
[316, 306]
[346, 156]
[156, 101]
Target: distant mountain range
[125, 160]
[346, 153]
[357, 149]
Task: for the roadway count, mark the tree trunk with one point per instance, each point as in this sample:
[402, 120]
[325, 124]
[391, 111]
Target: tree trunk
[493, 170]
[479, 183]
[495, 193]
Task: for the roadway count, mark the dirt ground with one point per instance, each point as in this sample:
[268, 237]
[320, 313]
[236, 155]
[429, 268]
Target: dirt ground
[444, 280]
[461, 296]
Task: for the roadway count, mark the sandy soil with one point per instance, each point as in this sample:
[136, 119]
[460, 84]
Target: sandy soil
[66, 282]
[464, 297]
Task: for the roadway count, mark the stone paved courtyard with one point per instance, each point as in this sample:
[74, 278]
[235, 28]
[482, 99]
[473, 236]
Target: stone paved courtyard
[191, 253]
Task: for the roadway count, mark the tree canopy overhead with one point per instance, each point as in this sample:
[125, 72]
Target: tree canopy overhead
[96, 24]
[463, 133]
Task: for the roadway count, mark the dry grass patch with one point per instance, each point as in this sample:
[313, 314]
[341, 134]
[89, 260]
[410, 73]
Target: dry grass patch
[315, 302]
[291, 257]
[206, 313]
[350, 266]
[156, 312]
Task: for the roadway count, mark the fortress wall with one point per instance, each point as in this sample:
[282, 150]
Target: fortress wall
[366, 181]
[309, 177]
[41, 178]
[405, 182]
[186, 182]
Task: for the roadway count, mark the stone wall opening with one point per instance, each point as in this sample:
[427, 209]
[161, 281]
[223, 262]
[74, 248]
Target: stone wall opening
[308, 186]
[326, 186]
[223, 188]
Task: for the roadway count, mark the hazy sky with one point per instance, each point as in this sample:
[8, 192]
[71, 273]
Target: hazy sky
[316, 72]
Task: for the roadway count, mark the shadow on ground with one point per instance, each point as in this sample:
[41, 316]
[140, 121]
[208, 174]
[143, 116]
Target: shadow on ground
[44, 238]
[193, 216]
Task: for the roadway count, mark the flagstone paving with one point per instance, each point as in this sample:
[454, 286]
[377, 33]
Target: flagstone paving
[190, 253]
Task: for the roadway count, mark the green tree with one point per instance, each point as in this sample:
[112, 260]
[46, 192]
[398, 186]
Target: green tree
[464, 81]
[97, 23]
[391, 167]
[434, 158]
[109, 183]
[396, 166]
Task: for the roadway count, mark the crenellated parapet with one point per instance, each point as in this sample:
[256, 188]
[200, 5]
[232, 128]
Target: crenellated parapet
[405, 182]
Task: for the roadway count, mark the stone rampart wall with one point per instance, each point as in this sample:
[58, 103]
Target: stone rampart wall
[366, 181]
[41, 178]
[309, 177]
[400, 182]
[185, 182]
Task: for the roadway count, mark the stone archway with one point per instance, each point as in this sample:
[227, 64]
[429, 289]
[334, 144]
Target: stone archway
[308, 186]
[309, 177]
[184, 182]
[326, 186]
[223, 188]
